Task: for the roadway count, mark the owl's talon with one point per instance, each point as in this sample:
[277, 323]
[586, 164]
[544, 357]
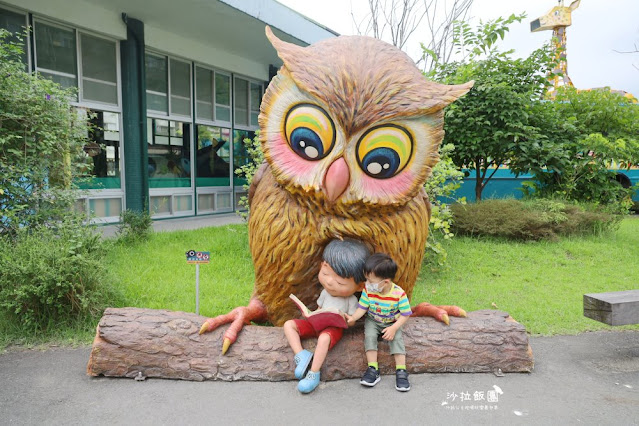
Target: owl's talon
[445, 319]
[238, 317]
[204, 328]
[225, 345]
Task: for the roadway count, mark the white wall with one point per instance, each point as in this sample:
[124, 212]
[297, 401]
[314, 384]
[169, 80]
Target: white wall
[87, 15]
[171, 43]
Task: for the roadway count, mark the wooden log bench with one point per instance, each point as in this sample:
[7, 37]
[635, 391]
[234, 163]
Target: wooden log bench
[166, 344]
[613, 308]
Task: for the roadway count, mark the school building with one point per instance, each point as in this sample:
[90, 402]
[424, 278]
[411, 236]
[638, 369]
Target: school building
[176, 87]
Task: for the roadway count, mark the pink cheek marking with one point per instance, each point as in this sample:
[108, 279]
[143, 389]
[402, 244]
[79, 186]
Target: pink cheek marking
[287, 159]
[384, 188]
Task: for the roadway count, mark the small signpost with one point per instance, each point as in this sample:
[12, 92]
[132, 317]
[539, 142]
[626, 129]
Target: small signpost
[197, 257]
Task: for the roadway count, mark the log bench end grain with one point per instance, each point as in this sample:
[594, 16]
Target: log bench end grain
[613, 308]
[166, 344]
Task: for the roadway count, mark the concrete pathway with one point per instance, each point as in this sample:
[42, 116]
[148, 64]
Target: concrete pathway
[592, 378]
[179, 224]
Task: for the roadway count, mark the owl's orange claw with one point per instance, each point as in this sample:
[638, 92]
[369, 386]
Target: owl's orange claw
[455, 311]
[440, 313]
[226, 345]
[238, 317]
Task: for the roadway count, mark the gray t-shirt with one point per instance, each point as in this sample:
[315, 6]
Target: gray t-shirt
[344, 304]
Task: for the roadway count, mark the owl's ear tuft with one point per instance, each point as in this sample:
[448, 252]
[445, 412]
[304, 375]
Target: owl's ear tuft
[437, 96]
[460, 90]
[285, 50]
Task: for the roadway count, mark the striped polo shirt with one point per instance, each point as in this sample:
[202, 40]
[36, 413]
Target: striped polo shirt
[387, 307]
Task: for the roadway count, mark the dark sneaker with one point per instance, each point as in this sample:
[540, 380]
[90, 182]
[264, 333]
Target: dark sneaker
[370, 377]
[401, 381]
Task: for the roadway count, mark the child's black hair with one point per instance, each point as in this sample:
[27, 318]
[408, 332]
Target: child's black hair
[347, 258]
[381, 265]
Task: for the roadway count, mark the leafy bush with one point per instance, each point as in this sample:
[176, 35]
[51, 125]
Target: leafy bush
[53, 277]
[440, 187]
[531, 220]
[51, 271]
[134, 226]
[41, 140]
[247, 171]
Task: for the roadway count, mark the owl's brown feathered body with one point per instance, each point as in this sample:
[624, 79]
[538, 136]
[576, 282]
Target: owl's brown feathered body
[288, 235]
[350, 130]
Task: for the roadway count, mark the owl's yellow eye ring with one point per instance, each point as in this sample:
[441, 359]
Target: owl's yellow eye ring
[310, 131]
[384, 150]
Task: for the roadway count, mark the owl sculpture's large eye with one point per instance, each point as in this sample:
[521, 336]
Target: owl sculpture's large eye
[384, 151]
[309, 131]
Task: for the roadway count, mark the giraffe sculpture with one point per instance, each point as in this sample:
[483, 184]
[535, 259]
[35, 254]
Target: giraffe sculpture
[557, 20]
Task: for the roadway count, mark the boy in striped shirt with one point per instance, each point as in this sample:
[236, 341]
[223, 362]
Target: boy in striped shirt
[387, 309]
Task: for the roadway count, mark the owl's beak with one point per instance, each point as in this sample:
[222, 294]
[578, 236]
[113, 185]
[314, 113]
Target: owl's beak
[337, 179]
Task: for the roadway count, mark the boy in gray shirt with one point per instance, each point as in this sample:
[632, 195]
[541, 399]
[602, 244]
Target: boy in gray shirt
[341, 274]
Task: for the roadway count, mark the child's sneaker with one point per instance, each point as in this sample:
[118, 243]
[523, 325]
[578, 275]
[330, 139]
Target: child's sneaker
[302, 361]
[370, 377]
[401, 381]
[309, 383]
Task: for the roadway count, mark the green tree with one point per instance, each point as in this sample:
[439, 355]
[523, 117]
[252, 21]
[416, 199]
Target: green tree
[492, 124]
[41, 140]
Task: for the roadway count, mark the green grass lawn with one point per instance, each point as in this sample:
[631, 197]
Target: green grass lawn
[154, 274]
[541, 284]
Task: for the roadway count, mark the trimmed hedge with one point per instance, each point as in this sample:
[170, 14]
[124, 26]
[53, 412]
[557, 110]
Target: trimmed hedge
[538, 219]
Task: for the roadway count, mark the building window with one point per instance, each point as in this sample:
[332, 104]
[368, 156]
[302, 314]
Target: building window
[222, 97]
[99, 70]
[93, 72]
[256, 99]
[180, 88]
[102, 150]
[213, 156]
[169, 151]
[247, 97]
[16, 24]
[240, 154]
[56, 49]
[213, 95]
[168, 86]
[241, 102]
[156, 83]
[204, 93]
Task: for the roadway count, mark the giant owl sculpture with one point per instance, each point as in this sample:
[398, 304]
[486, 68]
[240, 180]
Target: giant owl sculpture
[350, 130]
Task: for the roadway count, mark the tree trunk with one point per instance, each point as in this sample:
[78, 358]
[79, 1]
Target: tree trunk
[166, 344]
[479, 179]
[479, 187]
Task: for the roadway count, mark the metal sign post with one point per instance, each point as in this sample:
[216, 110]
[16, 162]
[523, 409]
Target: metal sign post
[197, 257]
[197, 288]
